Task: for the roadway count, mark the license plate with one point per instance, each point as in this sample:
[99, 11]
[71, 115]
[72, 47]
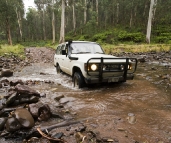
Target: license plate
[113, 79]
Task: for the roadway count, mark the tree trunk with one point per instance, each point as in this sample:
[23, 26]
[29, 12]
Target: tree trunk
[117, 13]
[130, 23]
[62, 32]
[8, 32]
[19, 23]
[97, 11]
[44, 30]
[74, 18]
[151, 16]
[53, 25]
[145, 7]
[85, 12]
[131, 17]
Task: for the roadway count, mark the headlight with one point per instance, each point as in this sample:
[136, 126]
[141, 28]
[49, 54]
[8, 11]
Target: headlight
[93, 67]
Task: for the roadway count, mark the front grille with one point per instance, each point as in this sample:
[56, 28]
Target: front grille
[110, 67]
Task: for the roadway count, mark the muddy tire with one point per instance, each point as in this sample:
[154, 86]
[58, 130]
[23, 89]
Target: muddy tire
[58, 69]
[78, 80]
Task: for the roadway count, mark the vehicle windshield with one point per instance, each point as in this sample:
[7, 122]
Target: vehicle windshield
[81, 48]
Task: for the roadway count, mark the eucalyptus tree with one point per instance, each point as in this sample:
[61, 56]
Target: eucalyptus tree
[151, 16]
[53, 22]
[97, 12]
[19, 9]
[41, 5]
[8, 17]
[32, 27]
[62, 30]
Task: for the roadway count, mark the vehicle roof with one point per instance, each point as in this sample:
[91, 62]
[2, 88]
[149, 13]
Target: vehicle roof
[78, 42]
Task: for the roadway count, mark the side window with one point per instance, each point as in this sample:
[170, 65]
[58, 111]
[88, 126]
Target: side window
[58, 50]
[62, 48]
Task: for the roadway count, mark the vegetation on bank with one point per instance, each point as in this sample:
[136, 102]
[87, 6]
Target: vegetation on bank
[18, 50]
[7, 50]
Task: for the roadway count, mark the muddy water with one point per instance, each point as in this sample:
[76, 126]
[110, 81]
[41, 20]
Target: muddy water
[106, 107]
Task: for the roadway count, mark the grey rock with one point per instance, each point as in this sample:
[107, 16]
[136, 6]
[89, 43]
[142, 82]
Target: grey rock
[2, 123]
[24, 117]
[11, 99]
[6, 72]
[26, 91]
[12, 125]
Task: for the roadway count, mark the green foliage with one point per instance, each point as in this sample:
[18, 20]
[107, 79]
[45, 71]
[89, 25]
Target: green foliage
[101, 36]
[17, 50]
[84, 38]
[134, 37]
[41, 43]
[161, 39]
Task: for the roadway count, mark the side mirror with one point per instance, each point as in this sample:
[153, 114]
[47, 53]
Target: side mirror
[63, 52]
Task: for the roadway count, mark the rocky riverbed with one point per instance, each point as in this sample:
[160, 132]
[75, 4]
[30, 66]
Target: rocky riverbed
[46, 110]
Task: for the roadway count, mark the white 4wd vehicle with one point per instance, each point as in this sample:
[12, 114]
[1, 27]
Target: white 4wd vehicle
[87, 63]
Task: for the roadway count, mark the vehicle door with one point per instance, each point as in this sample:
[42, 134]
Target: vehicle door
[58, 57]
[66, 61]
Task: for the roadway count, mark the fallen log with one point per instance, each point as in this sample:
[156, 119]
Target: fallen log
[62, 124]
[50, 138]
[34, 131]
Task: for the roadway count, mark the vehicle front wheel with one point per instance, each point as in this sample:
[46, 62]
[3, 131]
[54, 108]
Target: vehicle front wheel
[58, 69]
[78, 80]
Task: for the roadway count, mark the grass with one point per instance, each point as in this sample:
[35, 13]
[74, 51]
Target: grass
[135, 48]
[8, 50]
[18, 50]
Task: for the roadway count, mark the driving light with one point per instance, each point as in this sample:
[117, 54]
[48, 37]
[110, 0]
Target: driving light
[129, 66]
[93, 67]
[122, 67]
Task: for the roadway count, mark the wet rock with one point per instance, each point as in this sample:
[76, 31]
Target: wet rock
[24, 117]
[43, 95]
[63, 100]
[44, 113]
[12, 125]
[33, 108]
[11, 99]
[6, 72]
[154, 68]
[2, 123]
[26, 91]
[32, 99]
[15, 82]
[141, 59]
[2, 103]
[57, 135]
[5, 83]
[57, 115]
[37, 140]
[59, 97]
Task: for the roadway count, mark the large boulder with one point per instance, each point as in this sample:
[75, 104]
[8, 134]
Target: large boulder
[44, 113]
[6, 72]
[12, 125]
[24, 117]
[33, 108]
[15, 82]
[26, 91]
[11, 99]
[2, 123]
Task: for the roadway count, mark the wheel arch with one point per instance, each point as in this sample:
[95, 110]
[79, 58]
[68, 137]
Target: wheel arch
[75, 69]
